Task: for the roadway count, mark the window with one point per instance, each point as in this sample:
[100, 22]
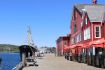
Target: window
[86, 21]
[65, 43]
[81, 23]
[72, 40]
[87, 33]
[97, 32]
[74, 17]
[78, 38]
[76, 14]
[75, 28]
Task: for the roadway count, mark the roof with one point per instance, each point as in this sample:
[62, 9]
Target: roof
[95, 12]
[27, 48]
[63, 38]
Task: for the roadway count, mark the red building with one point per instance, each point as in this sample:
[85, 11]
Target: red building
[88, 32]
[87, 39]
[62, 44]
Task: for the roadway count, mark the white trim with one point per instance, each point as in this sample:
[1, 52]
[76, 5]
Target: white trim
[92, 28]
[99, 31]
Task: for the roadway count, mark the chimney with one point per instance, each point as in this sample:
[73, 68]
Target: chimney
[94, 1]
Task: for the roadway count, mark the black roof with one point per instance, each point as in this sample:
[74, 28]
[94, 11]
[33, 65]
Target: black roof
[27, 48]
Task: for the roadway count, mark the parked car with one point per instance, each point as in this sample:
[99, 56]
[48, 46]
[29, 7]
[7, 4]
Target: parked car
[40, 54]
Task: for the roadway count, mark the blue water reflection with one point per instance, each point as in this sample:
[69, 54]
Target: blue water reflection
[9, 60]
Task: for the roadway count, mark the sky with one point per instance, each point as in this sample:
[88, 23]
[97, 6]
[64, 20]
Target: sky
[48, 20]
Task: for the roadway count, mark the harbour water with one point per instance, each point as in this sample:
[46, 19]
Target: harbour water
[9, 60]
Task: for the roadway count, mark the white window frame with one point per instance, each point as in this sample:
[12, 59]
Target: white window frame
[87, 34]
[99, 31]
[77, 38]
[84, 34]
[72, 40]
[88, 30]
[80, 37]
[81, 23]
[86, 21]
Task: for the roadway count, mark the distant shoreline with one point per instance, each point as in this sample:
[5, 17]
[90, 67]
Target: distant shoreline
[9, 52]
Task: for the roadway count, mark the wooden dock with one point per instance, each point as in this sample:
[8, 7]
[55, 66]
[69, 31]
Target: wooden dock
[51, 62]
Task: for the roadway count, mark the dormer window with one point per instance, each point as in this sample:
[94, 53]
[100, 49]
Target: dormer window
[86, 21]
[75, 28]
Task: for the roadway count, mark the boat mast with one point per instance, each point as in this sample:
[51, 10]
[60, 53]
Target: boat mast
[30, 40]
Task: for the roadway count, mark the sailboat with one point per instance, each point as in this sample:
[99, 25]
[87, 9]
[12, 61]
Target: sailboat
[28, 51]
